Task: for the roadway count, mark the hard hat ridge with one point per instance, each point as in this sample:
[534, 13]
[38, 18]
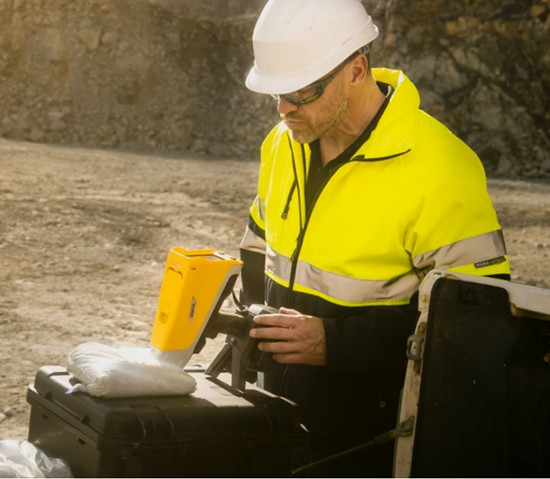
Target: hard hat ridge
[296, 42]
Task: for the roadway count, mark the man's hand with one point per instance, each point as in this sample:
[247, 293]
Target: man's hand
[300, 339]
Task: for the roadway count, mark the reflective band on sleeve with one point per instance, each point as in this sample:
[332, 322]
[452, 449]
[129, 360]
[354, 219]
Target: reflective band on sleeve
[252, 242]
[469, 251]
[259, 204]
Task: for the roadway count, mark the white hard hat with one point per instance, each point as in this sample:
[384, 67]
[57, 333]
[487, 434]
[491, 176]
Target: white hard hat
[296, 42]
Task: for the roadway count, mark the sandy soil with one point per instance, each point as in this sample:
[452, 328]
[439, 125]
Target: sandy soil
[84, 236]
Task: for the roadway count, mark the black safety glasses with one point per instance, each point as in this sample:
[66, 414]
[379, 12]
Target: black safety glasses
[314, 91]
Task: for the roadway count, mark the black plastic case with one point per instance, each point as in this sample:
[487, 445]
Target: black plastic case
[213, 432]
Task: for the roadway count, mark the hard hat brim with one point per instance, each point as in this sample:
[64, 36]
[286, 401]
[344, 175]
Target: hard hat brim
[269, 85]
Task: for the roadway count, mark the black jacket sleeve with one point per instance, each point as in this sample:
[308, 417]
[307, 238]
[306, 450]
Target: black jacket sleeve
[377, 338]
[252, 277]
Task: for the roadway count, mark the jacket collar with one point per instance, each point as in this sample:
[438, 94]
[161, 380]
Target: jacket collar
[396, 131]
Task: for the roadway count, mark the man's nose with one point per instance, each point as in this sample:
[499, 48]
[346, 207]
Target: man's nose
[284, 107]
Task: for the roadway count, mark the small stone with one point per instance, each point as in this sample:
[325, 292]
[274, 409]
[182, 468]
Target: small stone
[90, 38]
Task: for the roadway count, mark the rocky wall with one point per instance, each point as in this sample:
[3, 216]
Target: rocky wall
[167, 75]
[483, 67]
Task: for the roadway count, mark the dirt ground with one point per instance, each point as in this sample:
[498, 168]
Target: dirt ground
[84, 236]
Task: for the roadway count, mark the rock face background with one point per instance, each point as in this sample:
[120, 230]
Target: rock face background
[483, 67]
[167, 75]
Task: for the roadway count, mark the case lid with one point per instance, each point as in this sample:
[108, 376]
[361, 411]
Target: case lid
[478, 381]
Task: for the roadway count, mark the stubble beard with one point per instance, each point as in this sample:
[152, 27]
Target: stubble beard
[326, 120]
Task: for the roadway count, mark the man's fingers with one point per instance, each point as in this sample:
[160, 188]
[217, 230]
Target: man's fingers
[283, 352]
[292, 338]
[282, 347]
[288, 358]
[275, 320]
[271, 333]
[289, 311]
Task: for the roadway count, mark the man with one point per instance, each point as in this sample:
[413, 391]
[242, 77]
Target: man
[360, 194]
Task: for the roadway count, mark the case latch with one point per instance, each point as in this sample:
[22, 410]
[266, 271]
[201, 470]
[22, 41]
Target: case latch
[415, 346]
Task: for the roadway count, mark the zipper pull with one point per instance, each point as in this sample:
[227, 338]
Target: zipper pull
[284, 215]
[285, 211]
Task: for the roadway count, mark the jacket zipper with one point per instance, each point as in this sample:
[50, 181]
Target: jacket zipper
[284, 215]
[301, 235]
[309, 211]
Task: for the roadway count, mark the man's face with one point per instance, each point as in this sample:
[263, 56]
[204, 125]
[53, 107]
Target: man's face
[311, 121]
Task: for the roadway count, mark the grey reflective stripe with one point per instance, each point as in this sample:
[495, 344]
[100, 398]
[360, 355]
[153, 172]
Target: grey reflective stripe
[352, 291]
[260, 207]
[397, 290]
[252, 242]
[277, 264]
[469, 251]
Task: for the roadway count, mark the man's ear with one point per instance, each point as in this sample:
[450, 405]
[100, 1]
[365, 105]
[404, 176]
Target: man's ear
[360, 67]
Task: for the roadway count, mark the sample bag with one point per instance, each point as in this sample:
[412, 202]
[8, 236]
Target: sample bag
[107, 371]
[22, 459]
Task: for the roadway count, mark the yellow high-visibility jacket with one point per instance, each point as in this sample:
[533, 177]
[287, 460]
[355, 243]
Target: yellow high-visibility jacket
[413, 197]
